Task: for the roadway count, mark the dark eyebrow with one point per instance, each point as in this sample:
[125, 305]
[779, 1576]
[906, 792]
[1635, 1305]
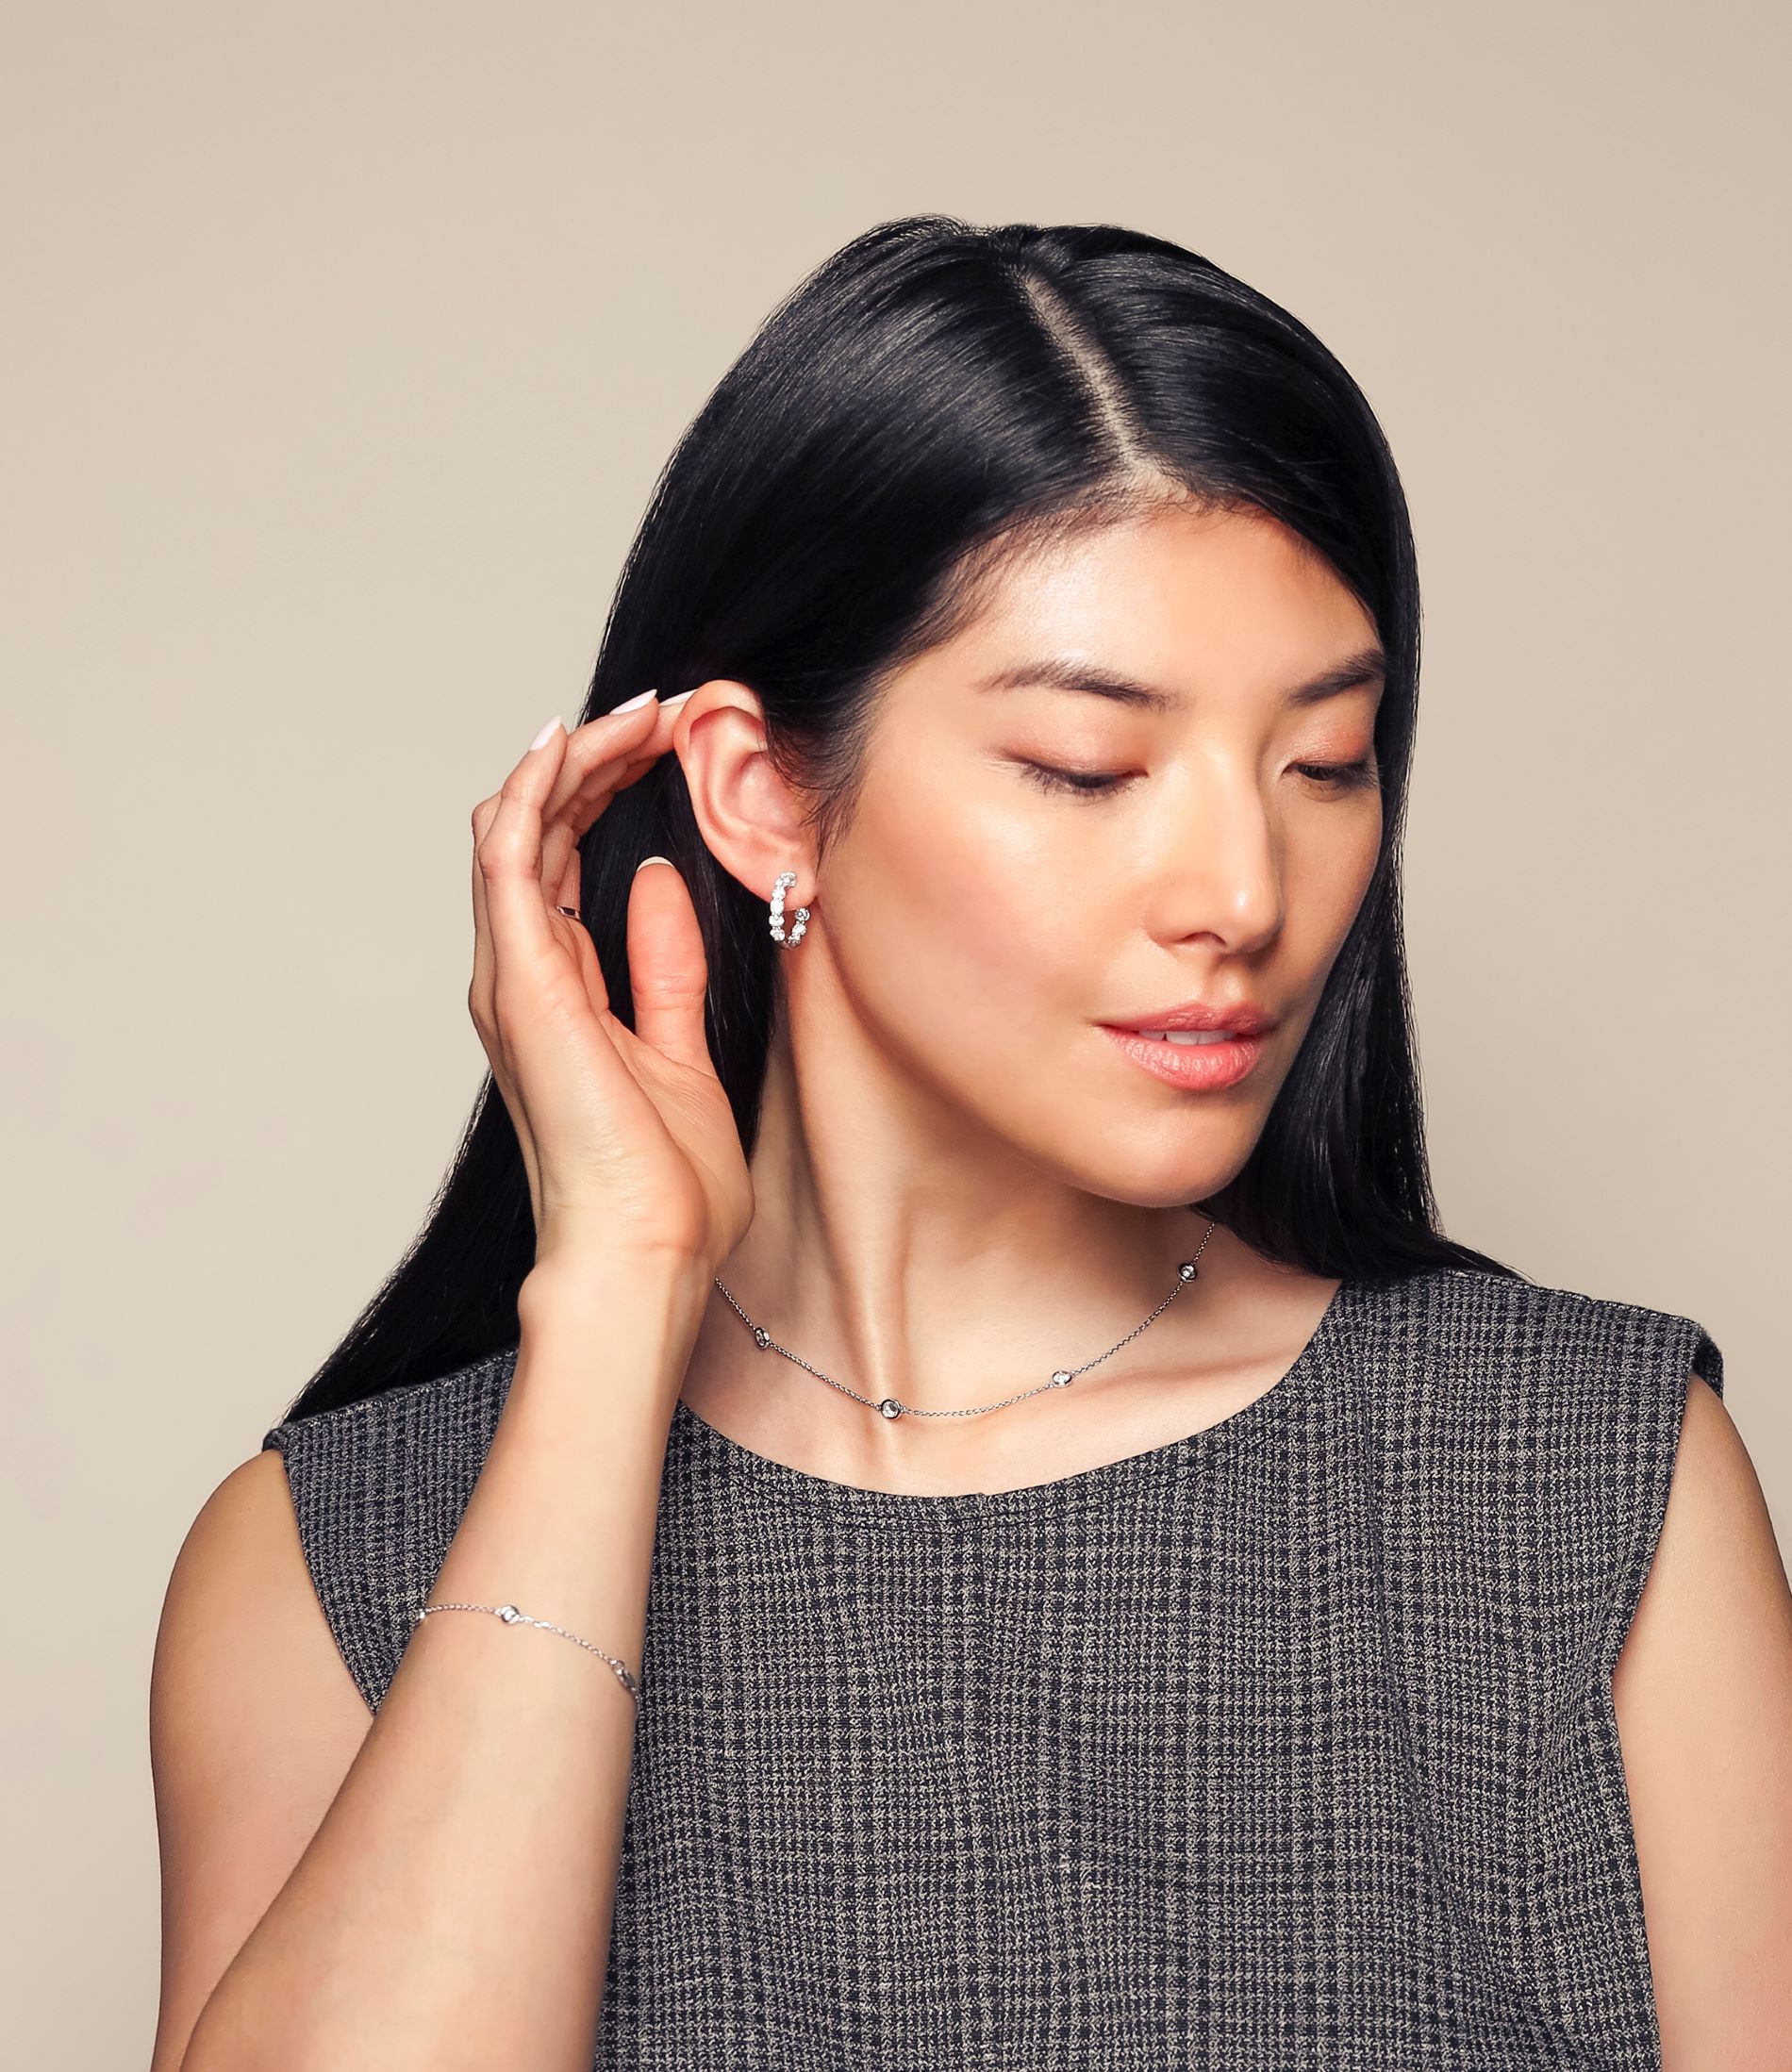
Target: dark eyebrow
[1062, 673]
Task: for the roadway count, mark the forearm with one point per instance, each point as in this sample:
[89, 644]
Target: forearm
[454, 1905]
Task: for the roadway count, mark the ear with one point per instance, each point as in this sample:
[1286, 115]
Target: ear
[750, 818]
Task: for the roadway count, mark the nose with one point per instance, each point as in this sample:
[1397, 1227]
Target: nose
[1222, 881]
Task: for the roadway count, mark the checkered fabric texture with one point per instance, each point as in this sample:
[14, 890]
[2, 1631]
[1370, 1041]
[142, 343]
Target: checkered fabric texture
[1289, 1745]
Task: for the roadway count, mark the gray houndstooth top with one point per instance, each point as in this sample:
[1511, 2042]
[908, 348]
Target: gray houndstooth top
[1287, 1745]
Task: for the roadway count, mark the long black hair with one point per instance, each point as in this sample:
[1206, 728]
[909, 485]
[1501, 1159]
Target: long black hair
[931, 397]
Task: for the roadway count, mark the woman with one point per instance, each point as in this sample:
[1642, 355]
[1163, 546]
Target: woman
[1126, 1589]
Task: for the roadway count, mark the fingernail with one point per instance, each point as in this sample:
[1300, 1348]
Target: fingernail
[546, 733]
[646, 860]
[679, 700]
[641, 698]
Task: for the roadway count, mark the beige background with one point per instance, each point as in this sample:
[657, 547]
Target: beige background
[345, 344]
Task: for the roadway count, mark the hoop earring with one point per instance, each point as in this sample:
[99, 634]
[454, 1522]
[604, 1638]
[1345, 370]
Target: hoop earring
[785, 942]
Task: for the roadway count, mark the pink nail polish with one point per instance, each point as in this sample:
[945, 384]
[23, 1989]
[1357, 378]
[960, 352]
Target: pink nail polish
[546, 733]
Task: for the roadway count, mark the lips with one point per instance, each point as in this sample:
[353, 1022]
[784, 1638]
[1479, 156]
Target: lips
[1241, 1019]
[1196, 1066]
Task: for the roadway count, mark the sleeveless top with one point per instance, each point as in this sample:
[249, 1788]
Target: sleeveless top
[1290, 1743]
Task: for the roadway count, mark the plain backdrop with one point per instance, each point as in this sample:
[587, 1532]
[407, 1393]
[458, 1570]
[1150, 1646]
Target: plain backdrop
[345, 342]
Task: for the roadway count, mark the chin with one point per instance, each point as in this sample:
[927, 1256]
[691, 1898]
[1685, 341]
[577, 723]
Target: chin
[1158, 1181]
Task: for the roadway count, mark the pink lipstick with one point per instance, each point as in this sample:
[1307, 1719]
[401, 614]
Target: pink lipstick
[1193, 1044]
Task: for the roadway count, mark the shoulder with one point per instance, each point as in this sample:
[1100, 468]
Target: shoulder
[458, 1402]
[252, 1723]
[1479, 1362]
[241, 1550]
[422, 1444]
[1702, 1696]
[1529, 1433]
[1716, 1574]
[1480, 1324]
[377, 1489]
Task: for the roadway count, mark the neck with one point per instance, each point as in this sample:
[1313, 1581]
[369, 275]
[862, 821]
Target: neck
[905, 1257]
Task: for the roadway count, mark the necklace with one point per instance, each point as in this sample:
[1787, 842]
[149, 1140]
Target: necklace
[889, 1407]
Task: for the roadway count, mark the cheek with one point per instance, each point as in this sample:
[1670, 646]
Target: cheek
[1328, 866]
[981, 918]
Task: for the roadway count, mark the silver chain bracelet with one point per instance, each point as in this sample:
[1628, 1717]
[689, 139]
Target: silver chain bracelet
[511, 1616]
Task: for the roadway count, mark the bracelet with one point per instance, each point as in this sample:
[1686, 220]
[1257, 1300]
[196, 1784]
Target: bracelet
[511, 1616]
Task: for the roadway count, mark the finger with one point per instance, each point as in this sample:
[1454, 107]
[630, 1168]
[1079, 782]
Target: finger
[482, 1000]
[479, 992]
[610, 736]
[613, 749]
[668, 973]
[509, 856]
[562, 836]
[566, 891]
[608, 765]
[562, 839]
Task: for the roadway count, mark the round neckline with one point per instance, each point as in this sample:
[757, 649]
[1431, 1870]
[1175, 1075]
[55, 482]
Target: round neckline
[1243, 1427]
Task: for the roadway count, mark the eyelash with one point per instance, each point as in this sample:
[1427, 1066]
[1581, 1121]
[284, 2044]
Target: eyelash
[1086, 784]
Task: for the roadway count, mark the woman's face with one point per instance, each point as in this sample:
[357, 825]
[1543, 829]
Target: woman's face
[1208, 840]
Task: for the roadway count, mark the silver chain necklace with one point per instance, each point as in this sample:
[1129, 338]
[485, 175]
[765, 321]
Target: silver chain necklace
[889, 1407]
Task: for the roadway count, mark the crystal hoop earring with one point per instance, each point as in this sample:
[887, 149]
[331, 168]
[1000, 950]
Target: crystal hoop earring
[786, 879]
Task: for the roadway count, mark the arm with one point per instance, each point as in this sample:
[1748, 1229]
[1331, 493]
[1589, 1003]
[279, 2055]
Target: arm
[1704, 1698]
[433, 1887]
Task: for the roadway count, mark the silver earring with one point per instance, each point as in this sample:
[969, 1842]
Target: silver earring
[785, 942]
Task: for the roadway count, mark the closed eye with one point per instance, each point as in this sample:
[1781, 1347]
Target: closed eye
[1082, 783]
[1097, 783]
[1341, 777]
